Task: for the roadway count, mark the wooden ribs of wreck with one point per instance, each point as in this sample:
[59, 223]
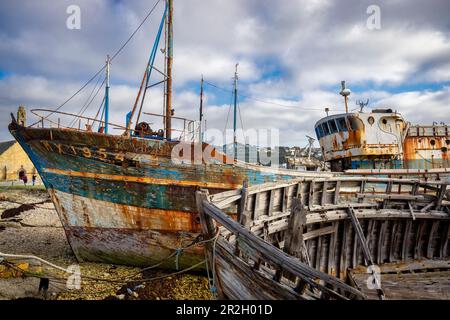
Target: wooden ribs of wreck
[310, 238]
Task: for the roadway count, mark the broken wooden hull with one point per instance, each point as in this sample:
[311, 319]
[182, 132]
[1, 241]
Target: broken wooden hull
[121, 199]
[316, 223]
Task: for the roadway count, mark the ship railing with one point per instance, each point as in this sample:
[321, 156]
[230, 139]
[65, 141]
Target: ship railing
[76, 122]
[184, 129]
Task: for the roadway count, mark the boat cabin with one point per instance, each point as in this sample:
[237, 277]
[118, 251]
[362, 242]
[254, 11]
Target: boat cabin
[362, 140]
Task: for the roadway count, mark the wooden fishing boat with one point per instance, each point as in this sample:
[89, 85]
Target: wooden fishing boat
[296, 239]
[124, 198]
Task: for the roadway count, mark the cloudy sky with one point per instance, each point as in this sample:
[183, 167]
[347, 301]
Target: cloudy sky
[292, 55]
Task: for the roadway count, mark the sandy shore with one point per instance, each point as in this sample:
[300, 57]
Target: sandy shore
[29, 224]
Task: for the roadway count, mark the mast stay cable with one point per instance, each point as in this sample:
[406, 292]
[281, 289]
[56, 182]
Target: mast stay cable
[104, 66]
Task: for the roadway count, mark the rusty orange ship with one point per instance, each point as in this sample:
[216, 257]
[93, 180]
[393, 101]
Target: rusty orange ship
[383, 142]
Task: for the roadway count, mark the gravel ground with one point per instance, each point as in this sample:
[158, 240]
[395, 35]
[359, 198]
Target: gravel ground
[29, 224]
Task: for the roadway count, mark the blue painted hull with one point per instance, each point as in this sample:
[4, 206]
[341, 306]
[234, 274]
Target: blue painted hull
[123, 200]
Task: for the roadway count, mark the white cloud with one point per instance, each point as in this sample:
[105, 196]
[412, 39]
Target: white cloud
[308, 46]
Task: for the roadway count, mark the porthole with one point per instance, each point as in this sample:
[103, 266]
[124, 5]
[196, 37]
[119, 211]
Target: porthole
[444, 149]
[432, 142]
[384, 121]
[447, 141]
[371, 120]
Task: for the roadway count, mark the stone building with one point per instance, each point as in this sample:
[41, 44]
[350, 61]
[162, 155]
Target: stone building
[12, 160]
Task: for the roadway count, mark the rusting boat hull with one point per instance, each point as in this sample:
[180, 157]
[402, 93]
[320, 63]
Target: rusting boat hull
[122, 199]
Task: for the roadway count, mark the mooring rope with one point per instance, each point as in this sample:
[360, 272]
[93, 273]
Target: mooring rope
[116, 280]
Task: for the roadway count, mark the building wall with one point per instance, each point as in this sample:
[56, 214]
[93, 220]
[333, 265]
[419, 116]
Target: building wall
[10, 162]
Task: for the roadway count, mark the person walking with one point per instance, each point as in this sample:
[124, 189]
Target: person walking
[33, 179]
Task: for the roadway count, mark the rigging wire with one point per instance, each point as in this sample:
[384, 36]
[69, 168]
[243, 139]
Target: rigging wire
[98, 111]
[103, 68]
[83, 108]
[228, 115]
[267, 101]
[96, 93]
[242, 123]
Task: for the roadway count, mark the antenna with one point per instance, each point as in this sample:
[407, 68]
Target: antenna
[345, 93]
[310, 145]
[362, 104]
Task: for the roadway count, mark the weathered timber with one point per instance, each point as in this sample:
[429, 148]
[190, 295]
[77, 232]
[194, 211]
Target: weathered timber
[331, 226]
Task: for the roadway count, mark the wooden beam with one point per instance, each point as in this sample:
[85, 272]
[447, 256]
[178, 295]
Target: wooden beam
[440, 196]
[242, 206]
[433, 230]
[277, 257]
[336, 192]
[360, 235]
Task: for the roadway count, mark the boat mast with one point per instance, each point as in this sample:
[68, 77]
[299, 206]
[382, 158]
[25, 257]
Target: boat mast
[108, 63]
[235, 112]
[200, 137]
[169, 61]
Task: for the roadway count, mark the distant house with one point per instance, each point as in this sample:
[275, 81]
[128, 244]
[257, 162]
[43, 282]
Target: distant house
[13, 160]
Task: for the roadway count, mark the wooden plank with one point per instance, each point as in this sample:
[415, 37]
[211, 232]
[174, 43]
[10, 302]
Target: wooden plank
[406, 244]
[256, 206]
[343, 205]
[277, 257]
[392, 197]
[343, 265]
[410, 286]
[311, 194]
[444, 241]
[208, 230]
[433, 230]
[284, 199]
[411, 210]
[360, 235]
[355, 252]
[362, 189]
[336, 192]
[324, 193]
[318, 253]
[370, 229]
[427, 207]
[381, 241]
[364, 245]
[294, 241]
[394, 240]
[271, 209]
[418, 240]
[319, 232]
[440, 196]
[243, 204]
[332, 250]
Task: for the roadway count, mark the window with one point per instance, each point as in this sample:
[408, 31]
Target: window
[355, 123]
[333, 126]
[325, 129]
[319, 132]
[342, 125]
